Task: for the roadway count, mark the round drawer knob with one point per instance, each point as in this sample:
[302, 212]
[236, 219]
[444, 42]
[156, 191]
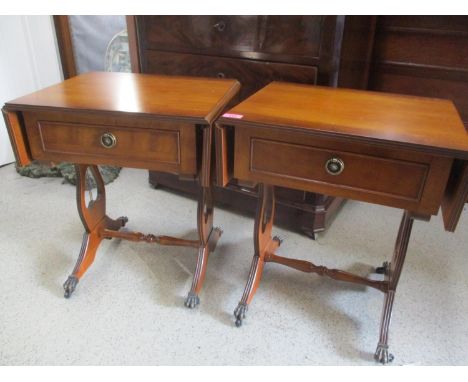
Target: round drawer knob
[334, 166]
[108, 140]
[221, 75]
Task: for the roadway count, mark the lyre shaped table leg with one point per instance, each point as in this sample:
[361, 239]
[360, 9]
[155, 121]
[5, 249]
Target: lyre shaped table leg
[95, 221]
[208, 237]
[263, 243]
[394, 271]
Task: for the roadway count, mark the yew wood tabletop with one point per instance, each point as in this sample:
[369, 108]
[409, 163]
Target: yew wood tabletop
[399, 151]
[128, 120]
[195, 98]
[399, 120]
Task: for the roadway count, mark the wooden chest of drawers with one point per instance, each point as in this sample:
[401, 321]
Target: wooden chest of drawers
[255, 50]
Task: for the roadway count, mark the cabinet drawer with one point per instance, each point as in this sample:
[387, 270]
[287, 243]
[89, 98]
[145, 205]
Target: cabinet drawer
[216, 34]
[149, 144]
[292, 38]
[400, 178]
[252, 75]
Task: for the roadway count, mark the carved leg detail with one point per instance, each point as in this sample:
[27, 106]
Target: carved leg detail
[381, 354]
[95, 221]
[256, 270]
[264, 244]
[393, 272]
[208, 237]
[192, 299]
[85, 259]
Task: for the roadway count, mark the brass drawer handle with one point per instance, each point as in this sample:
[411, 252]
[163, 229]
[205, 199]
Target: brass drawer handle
[108, 140]
[220, 26]
[334, 166]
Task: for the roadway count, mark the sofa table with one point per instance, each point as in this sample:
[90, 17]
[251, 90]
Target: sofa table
[128, 120]
[380, 148]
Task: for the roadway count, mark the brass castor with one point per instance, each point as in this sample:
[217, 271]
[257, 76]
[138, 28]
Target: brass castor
[239, 313]
[192, 300]
[69, 286]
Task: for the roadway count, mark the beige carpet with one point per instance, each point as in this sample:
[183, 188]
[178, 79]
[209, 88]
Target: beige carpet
[128, 309]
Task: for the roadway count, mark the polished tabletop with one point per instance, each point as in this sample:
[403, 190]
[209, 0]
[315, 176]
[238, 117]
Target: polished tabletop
[364, 115]
[191, 97]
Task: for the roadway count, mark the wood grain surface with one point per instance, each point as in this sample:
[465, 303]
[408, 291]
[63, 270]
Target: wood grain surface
[196, 98]
[429, 123]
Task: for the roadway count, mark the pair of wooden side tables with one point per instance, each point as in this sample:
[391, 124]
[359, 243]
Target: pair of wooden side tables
[399, 151]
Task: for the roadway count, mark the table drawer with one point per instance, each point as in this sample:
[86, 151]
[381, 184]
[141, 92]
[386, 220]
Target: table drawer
[341, 168]
[149, 144]
[333, 166]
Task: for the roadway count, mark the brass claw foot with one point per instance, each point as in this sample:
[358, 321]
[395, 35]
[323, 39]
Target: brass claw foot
[239, 313]
[69, 286]
[192, 300]
[382, 355]
[123, 220]
[383, 270]
[278, 239]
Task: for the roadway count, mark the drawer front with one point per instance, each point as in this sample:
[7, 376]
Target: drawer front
[194, 33]
[298, 36]
[360, 172]
[158, 145]
[251, 74]
[373, 173]
[290, 38]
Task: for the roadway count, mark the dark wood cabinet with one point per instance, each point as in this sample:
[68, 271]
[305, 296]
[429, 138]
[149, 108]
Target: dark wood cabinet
[255, 50]
[427, 56]
[255, 73]
[423, 56]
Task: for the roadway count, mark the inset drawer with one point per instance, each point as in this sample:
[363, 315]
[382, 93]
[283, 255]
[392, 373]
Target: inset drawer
[149, 144]
[340, 167]
[344, 169]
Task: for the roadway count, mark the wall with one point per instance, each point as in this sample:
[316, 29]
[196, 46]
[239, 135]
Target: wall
[29, 61]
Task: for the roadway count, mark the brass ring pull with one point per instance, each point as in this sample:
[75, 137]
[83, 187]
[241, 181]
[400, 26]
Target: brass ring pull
[334, 166]
[220, 26]
[108, 140]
